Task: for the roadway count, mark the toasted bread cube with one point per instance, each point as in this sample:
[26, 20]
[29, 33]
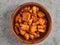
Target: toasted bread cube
[17, 25]
[26, 36]
[41, 26]
[36, 35]
[41, 30]
[37, 22]
[31, 36]
[42, 21]
[26, 16]
[18, 17]
[41, 14]
[30, 11]
[22, 32]
[34, 18]
[24, 27]
[30, 21]
[20, 20]
[35, 9]
[33, 28]
[26, 8]
[16, 30]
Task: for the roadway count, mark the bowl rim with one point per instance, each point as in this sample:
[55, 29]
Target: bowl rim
[11, 20]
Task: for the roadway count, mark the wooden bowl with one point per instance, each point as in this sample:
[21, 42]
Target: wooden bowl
[21, 39]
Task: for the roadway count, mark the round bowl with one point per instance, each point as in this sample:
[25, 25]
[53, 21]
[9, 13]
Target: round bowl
[42, 8]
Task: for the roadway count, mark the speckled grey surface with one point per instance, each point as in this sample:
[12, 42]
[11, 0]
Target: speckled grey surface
[6, 9]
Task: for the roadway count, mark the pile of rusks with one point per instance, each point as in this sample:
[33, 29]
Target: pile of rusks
[30, 22]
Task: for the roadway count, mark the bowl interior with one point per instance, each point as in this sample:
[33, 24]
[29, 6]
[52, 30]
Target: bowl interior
[47, 17]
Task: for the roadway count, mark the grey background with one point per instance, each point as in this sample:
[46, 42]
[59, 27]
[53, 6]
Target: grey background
[6, 9]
